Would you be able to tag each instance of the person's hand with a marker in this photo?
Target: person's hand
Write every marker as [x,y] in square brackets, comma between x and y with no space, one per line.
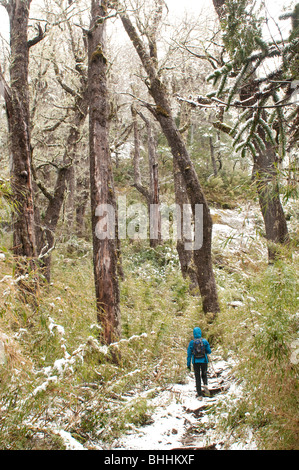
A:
[189,367]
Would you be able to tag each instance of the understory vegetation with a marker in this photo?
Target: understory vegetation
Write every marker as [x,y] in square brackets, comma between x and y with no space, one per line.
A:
[56,375]
[150,106]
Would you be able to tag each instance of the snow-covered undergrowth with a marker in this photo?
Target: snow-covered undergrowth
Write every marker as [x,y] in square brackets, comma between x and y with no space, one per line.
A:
[183,421]
[61,388]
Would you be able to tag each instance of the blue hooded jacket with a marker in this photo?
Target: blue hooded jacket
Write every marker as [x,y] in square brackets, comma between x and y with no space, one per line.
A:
[197,334]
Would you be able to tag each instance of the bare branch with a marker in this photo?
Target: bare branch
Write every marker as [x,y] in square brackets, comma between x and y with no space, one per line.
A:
[56,125]
[39,37]
[61,83]
[40,185]
[204,102]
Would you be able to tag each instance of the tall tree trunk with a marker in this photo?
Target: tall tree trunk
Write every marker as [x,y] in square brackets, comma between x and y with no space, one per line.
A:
[151,193]
[17,102]
[101,179]
[163,113]
[265,175]
[70,200]
[185,256]
[266,179]
[47,227]
[154,196]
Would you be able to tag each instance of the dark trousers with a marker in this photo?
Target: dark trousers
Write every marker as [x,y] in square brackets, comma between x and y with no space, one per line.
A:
[201,374]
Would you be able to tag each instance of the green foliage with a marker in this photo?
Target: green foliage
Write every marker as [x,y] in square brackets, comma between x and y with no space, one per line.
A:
[242,38]
[98,393]
[5,192]
[292,54]
[7,205]
[138,413]
[267,329]
[70,374]
[228,188]
[242,29]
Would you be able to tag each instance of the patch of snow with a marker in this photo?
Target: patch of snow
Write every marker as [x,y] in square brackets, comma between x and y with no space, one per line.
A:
[124,340]
[235,303]
[69,441]
[178,411]
[6,278]
[53,325]
[236,229]
[61,365]
[43,387]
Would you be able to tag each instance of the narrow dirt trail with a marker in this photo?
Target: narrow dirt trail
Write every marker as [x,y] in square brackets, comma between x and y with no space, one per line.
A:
[181,420]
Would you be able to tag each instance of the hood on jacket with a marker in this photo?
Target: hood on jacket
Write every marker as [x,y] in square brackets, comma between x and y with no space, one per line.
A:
[197,332]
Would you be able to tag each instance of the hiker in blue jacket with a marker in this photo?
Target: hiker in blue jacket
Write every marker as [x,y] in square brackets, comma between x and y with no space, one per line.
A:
[198,351]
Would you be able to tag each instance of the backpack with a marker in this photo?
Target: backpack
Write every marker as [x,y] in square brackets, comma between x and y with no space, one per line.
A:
[199,351]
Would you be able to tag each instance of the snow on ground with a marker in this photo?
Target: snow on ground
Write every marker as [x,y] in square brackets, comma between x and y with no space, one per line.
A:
[69,442]
[237,229]
[181,420]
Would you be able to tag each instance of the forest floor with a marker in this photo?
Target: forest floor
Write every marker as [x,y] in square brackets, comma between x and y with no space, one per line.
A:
[183,421]
[149,403]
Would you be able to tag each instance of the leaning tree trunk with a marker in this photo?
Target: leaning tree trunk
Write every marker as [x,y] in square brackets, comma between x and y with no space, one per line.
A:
[163,113]
[17,104]
[202,256]
[185,256]
[101,179]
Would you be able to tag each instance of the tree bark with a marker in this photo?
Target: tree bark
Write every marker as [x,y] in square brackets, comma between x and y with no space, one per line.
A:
[82,198]
[136,159]
[18,120]
[163,113]
[46,229]
[101,178]
[266,180]
[154,198]
[265,175]
[181,199]
[151,194]
[185,256]
[17,105]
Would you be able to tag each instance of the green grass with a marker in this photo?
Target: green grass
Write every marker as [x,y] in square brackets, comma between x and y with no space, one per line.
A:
[97,398]
[155,305]
[261,334]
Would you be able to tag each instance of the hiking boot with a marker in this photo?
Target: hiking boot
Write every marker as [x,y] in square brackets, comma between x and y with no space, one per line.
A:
[206,391]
